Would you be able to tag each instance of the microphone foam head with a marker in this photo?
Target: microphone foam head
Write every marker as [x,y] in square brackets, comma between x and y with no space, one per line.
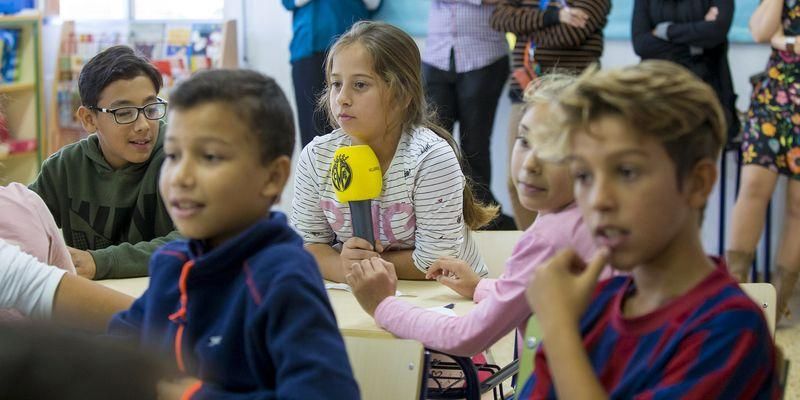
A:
[356,174]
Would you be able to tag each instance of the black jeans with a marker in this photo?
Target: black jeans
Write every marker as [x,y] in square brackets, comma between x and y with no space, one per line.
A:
[471,99]
[308,77]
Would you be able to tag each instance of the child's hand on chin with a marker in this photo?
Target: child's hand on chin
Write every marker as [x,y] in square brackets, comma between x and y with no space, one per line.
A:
[558,294]
[372,281]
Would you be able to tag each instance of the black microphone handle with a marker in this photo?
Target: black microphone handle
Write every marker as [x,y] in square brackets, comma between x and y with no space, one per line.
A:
[361,214]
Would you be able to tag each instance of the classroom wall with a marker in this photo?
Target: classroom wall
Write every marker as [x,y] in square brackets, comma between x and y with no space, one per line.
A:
[266,33]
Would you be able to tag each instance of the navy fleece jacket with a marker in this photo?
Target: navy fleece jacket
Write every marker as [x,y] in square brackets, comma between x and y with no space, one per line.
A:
[254,323]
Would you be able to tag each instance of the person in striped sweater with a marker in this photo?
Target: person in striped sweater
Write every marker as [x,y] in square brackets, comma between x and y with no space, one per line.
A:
[568,36]
[644,143]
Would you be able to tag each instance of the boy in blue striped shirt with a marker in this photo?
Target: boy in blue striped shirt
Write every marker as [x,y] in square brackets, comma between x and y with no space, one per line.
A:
[644,143]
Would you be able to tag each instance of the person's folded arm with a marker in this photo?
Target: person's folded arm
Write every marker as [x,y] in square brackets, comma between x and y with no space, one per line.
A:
[512,16]
[564,36]
[645,44]
[701,33]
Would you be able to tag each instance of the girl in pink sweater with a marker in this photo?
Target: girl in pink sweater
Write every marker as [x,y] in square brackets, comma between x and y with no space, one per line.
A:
[543,184]
[26,222]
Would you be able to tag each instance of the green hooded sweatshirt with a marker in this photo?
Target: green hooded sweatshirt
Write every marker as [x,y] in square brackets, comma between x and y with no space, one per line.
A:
[117,215]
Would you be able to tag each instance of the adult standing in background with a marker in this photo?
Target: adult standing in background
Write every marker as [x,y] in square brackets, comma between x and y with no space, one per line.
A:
[566,35]
[315,25]
[464,64]
[693,33]
[771,148]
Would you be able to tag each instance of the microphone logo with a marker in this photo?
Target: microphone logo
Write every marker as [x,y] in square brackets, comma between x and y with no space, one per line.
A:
[341,173]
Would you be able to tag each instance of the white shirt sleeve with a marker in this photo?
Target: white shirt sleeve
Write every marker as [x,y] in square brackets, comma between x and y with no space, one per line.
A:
[438,205]
[27,284]
[308,217]
[300,3]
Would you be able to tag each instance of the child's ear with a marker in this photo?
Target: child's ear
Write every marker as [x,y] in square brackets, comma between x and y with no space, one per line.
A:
[700,182]
[87,119]
[277,176]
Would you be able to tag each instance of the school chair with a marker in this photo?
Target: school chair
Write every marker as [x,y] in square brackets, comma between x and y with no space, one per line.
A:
[469,386]
[496,247]
[764,295]
[396,375]
[453,377]
[459,378]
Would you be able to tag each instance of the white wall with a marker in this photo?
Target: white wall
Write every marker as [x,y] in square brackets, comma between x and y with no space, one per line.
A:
[268,29]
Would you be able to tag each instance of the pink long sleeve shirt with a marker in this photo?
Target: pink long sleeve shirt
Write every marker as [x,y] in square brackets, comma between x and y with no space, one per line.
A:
[501,302]
[26,222]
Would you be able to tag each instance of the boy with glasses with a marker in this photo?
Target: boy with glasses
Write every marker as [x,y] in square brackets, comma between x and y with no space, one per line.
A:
[103,190]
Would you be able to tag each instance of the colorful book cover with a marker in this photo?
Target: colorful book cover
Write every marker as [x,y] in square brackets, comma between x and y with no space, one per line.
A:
[147,39]
[177,39]
[9,69]
[206,44]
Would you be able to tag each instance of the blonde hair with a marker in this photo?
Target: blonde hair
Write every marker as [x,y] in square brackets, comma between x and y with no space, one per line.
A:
[549,138]
[656,98]
[396,60]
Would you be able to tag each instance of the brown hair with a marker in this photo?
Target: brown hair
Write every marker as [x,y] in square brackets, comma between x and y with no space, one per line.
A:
[657,98]
[396,60]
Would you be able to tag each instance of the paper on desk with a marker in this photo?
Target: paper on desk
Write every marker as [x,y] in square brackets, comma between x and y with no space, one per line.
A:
[444,310]
[346,287]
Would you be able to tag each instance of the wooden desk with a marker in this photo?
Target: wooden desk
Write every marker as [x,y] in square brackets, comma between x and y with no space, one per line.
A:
[354,321]
[385,367]
[131,286]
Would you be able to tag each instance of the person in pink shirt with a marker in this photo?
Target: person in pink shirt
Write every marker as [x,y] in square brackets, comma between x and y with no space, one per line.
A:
[544,185]
[26,222]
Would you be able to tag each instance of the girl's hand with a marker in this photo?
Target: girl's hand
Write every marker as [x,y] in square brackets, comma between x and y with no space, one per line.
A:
[573,16]
[354,250]
[455,274]
[561,289]
[372,281]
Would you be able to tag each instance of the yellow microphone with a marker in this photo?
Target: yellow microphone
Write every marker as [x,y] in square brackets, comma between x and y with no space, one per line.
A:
[357,179]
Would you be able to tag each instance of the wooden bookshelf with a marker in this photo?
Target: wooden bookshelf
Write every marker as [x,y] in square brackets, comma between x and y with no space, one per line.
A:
[23,101]
[17,87]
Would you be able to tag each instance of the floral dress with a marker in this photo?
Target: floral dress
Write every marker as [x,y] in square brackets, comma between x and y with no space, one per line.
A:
[772,130]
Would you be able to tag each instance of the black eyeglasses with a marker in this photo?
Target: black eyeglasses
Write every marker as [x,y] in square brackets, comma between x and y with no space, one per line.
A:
[127,115]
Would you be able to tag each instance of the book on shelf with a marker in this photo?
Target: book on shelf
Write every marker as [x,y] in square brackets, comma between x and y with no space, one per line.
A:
[9,55]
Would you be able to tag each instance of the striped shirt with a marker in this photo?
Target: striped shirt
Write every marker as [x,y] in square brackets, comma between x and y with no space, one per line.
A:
[557,45]
[711,343]
[464,28]
[420,206]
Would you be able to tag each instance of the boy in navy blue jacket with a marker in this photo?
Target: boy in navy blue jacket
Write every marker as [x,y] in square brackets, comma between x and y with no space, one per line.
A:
[241,306]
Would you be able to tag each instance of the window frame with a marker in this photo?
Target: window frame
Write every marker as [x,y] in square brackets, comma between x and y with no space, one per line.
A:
[131,16]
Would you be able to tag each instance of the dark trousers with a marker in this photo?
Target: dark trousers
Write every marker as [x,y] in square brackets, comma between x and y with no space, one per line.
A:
[471,99]
[308,77]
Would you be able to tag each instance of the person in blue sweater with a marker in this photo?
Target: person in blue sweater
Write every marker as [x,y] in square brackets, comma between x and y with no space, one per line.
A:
[315,26]
[239,305]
